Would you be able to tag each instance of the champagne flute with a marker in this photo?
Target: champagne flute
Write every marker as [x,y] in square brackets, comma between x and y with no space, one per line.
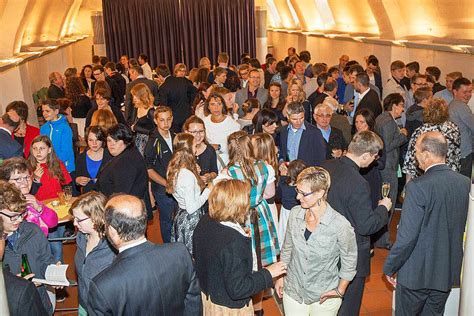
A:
[67,194]
[385,189]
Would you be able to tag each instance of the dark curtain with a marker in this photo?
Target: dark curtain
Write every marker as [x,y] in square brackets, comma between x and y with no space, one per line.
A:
[150,27]
[213,26]
[172,31]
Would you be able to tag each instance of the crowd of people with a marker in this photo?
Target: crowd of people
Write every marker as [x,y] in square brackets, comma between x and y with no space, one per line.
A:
[284,175]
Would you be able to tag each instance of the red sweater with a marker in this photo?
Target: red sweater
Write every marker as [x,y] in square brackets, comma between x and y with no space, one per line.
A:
[30,134]
[50,186]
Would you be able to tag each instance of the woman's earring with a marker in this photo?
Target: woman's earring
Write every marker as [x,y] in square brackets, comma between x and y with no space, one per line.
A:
[319,202]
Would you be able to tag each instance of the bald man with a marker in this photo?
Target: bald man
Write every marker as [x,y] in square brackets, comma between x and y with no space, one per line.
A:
[425,261]
[145,278]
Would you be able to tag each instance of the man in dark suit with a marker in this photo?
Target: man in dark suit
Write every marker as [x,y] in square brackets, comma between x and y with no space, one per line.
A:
[300,139]
[99,74]
[9,147]
[350,195]
[335,143]
[56,87]
[136,75]
[116,77]
[144,279]
[178,93]
[368,98]
[425,261]
[22,296]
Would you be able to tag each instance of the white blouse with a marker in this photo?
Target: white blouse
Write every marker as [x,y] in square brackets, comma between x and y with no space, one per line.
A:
[217,133]
[188,193]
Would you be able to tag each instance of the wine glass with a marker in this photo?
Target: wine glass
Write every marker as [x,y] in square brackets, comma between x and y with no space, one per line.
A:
[385,189]
[67,194]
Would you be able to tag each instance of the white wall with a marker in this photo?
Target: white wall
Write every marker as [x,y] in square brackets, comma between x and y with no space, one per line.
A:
[328,51]
[20,82]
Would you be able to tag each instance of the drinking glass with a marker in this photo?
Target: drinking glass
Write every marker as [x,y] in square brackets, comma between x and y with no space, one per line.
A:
[385,189]
[67,194]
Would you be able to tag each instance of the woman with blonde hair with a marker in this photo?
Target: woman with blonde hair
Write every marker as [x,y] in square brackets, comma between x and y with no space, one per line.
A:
[94,253]
[180,70]
[103,118]
[188,189]
[142,122]
[227,284]
[264,149]
[319,235]
[296,94]
[243,166]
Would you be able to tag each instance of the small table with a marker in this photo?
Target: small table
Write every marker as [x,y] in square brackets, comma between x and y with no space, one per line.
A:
[61,210]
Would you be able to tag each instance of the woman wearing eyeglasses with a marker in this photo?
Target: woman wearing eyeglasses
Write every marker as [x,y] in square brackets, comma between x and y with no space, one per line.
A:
[18,172]
[319,235]
[22,237]
[94,253]
[206,156]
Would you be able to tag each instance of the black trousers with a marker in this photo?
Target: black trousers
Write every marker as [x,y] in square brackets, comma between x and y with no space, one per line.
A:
[419,302]
[352,298]
[466,166]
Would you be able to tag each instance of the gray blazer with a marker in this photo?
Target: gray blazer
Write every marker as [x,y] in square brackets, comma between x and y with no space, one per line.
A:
[461,115]
[428,250]
[242,95]
[392,138]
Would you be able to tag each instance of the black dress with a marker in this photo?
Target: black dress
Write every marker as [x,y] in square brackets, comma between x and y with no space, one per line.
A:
[81,107]
[81,168]
[207,161]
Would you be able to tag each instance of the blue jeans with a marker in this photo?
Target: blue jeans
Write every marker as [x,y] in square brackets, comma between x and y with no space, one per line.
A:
[57,246]
[166,206]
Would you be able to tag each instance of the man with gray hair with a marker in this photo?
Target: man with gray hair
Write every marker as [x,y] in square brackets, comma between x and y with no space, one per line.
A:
[350,195]
[145,278]
[425,261]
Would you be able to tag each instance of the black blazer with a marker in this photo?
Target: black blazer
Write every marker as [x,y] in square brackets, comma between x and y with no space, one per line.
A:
[378,81]
[147,279]
[428,250]
[336,141]
[177,93]
[224,264]
[81,168]
[121,85]
[125,173]
[157,157]
[22,296]
[371,101]
[312,148]
[55,92]
[9,147]
[129,108]
[349,194]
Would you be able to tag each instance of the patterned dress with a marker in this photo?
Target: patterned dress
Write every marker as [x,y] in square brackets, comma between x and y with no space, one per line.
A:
[269,245]
[453,137]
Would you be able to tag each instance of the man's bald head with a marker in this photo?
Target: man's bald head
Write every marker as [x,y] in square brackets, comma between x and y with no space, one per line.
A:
[127,215]
[431,148]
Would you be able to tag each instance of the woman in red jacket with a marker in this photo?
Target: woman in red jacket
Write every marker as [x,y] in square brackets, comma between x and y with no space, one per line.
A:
[25,132]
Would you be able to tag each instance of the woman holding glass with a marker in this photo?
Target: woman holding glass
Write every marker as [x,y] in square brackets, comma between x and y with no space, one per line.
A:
[319,235]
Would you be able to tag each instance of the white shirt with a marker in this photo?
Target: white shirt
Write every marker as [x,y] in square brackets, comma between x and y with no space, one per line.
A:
[147,71]
[133,244]
[168,141]
[217,133]
[435,164]
[188,193]
[9,133]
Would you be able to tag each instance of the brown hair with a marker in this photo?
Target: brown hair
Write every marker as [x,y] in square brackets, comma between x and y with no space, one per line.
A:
[103,118]
[183,158]
[241,154]
[162,109]
[294,169]
[436,112]
[92,204]
[318,179]
[53,162]
[9,166]
[264,149]
[74,89]
[214,95]
[249,105]
[11,198]
[102,88]
[143,93]
[193,119]
[230,201]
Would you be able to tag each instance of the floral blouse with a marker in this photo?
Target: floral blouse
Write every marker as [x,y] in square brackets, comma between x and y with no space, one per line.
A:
[453,137]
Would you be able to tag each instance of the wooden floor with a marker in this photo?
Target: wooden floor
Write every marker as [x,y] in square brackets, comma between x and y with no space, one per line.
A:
[377,300]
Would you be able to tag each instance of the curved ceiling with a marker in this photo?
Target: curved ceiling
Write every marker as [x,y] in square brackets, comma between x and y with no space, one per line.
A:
[29,25]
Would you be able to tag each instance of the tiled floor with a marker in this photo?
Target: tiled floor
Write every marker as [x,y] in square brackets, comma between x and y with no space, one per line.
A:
[377,300]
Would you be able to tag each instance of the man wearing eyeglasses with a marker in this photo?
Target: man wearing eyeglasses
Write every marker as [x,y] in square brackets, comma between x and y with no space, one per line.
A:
[9,147]
[350,196]
[100,75]
[22,237]
[252,90]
